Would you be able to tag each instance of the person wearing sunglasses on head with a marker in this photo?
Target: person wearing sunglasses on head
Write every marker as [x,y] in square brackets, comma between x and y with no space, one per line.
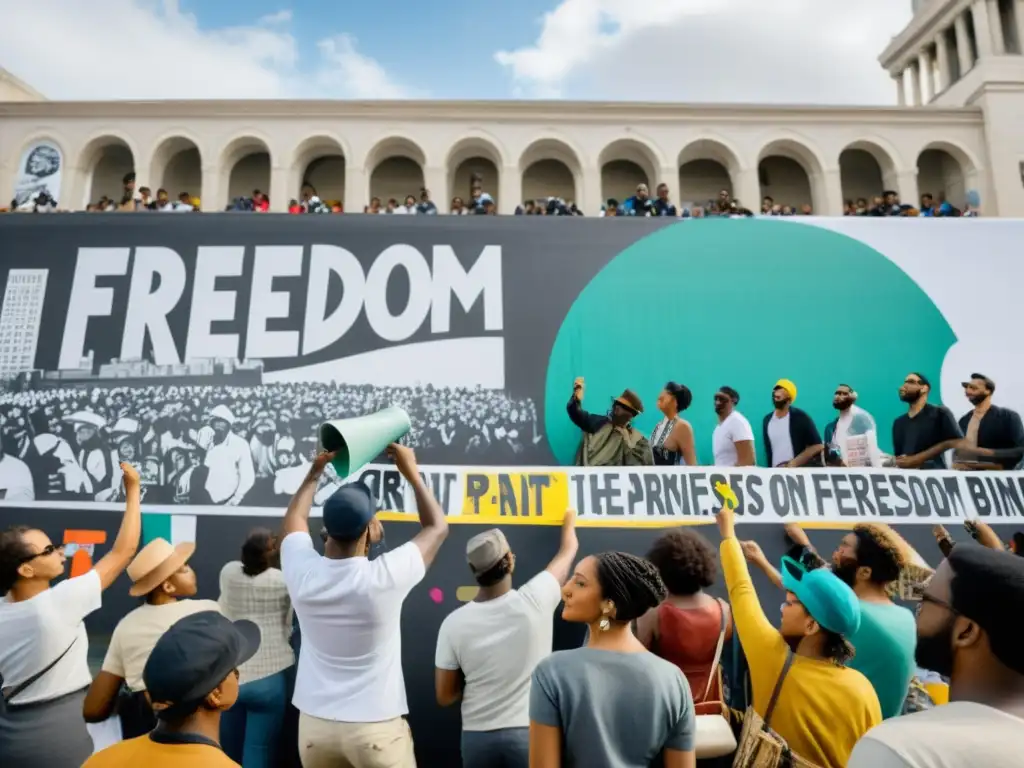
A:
[43,643]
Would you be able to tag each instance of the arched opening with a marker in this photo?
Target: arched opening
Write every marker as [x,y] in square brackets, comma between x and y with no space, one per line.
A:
[320,167]
[177,167]
[247,159]
[942,171]
[550,168]
[706,168]
[106,161]
[397,165]
[865,171]
[625,164]
[474,159]
[787,171]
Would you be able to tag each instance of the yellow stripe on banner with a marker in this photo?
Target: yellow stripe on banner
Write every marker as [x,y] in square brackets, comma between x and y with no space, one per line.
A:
[553,519]
[508,497]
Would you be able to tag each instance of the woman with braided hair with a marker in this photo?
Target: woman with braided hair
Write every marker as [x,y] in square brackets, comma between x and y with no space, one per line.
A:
[612,702]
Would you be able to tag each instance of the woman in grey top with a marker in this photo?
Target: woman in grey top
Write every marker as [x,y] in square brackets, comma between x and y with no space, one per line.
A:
[612,703]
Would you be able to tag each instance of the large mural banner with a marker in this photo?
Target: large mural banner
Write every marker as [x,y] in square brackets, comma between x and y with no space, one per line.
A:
[206,350]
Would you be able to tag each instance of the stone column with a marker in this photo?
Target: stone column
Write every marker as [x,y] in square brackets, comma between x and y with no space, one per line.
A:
[670,177]
[916,83]
[925,72]
[510,189]
[209,195]
[906,183]
[1019,13]
[942,54]
[963,44]
[995,23]
[280,189]
[747,188]
[357,189]
[827,190]
[436,180]
[901,91]
[982,30]
[588,191]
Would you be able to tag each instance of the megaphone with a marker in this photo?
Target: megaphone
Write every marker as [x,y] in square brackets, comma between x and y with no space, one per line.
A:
[358,441]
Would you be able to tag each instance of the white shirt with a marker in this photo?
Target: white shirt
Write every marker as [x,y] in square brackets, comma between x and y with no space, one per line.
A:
[735,428]
[350,663]
[953,735]
[15,480]
[857,438]
[34,632]
[136,634]
[262,599]
[497,644]
[231,469]
[782,443]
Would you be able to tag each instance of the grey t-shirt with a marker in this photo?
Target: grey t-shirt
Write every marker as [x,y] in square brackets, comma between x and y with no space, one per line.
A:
[615,710]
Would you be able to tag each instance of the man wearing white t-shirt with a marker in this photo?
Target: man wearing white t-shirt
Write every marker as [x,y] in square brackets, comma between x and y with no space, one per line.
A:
[488,648]
[853,433]
[349,687]
[733,439]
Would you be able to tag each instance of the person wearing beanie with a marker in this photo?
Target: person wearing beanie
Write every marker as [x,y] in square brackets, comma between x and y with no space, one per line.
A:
[349,687]
[821,707]
[790,437]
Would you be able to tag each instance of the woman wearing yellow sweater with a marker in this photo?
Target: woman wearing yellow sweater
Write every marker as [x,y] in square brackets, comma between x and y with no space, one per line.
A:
[823,707]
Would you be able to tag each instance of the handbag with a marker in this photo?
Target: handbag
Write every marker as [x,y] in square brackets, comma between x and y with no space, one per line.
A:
[760,746]
[714,734]
[8,694]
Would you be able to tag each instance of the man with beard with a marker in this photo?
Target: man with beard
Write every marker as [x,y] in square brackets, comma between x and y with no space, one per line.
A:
[968,629]
[733,439]
[925,431]
[822,707]
[989,427]
[790,437]
[610,441]
[869,559]
[853,433]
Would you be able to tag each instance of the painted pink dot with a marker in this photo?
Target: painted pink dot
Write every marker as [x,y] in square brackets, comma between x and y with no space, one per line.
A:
[436,595]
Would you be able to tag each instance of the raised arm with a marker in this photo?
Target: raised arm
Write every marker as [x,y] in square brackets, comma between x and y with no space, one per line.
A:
[585,421]
[126,544]
[568,546]
[296,519]
[754,554]
[433,521]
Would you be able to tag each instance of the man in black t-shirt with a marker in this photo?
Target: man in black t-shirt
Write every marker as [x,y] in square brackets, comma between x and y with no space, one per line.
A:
[924,432]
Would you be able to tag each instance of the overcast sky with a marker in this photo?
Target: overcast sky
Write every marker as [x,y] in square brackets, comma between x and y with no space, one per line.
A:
[768,51]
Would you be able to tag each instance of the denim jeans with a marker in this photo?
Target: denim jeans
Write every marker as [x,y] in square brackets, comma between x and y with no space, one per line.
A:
[503,748]
[251,730]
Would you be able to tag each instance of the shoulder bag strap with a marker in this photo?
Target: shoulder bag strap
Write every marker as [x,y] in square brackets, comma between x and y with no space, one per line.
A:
[718,649]
[778,689]
[26,683]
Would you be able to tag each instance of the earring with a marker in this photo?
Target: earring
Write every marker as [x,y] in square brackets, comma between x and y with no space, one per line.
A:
[605,622]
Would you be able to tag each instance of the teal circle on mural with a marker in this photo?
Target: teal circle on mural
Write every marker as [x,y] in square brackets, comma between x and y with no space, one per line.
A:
[743,303]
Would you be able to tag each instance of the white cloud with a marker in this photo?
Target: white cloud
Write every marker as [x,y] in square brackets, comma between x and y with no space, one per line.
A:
[151,49]
[786,51]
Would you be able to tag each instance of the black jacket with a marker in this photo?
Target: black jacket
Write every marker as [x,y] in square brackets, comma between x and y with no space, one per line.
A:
[1000,429]
[802,432]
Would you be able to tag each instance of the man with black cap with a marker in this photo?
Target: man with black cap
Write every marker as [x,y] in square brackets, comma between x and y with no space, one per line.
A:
[925,431]
[191,677]
[968,629]
[488,648]
[610,441]
[349,687]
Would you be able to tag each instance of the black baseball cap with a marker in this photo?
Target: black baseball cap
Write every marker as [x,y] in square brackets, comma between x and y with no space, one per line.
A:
[193,657]
[348,511]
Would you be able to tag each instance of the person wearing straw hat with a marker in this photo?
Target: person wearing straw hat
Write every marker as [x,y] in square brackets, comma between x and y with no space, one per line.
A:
[611,440]
[44,647]
[160,575]
[790,437]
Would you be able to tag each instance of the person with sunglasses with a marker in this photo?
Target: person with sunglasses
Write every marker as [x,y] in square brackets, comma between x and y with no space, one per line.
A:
[43,643]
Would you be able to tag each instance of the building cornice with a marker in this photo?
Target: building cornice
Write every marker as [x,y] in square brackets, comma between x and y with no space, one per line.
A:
[560,112]
[905,46]
[21,85]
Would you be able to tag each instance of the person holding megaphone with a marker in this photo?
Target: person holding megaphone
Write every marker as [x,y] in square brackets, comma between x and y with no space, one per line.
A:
[349,688]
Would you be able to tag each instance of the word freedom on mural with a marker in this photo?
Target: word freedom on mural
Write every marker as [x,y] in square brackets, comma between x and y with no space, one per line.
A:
[678,495]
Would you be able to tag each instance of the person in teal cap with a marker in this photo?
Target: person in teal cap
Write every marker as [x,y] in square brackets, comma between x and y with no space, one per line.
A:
[801,684]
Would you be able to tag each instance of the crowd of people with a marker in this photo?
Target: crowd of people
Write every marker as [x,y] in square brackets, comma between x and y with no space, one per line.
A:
[667,675]
[927,436]
[481,202]
[248,445]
